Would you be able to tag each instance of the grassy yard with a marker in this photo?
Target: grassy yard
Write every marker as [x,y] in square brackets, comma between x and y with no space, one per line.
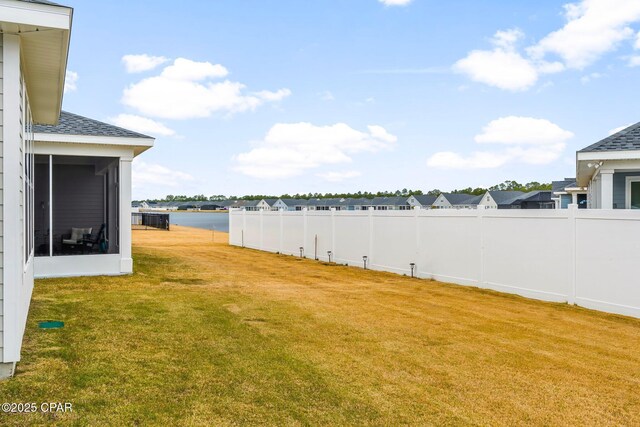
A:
[207,334]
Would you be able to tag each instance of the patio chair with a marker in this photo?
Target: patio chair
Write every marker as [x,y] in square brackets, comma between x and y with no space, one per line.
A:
[100,241]
[74,240]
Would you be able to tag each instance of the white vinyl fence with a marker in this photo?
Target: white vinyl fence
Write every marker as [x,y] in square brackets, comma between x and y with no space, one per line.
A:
[586,257]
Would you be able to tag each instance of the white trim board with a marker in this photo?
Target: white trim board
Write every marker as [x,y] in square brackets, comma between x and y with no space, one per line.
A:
[627,190]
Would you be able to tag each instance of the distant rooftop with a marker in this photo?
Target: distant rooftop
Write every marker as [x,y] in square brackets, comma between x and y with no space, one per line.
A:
[625,140]
[74,124]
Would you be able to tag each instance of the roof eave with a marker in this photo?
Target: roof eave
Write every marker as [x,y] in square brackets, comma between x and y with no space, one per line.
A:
[44,32]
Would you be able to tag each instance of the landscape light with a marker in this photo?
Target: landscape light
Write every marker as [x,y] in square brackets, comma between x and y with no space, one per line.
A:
[364,259]
[413,266]
[329,254]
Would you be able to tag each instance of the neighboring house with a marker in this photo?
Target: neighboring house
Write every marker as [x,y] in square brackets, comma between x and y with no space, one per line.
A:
[457,201]
[253,205]
[268,204]
[290,204]
[495,199]
[568,192]
[424,201]
[390,203]
[610,170]
[534,200]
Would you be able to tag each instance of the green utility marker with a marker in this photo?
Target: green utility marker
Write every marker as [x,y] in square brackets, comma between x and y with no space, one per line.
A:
[51,325]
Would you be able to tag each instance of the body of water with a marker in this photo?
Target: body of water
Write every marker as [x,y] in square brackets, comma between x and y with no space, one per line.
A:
[207,220]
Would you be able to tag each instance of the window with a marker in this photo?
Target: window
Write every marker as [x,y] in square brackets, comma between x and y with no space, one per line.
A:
[633,192]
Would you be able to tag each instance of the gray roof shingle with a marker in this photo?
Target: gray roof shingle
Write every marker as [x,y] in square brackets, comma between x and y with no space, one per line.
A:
[505,197]
[626,139]
[425,199]
[49,3]
[74,124]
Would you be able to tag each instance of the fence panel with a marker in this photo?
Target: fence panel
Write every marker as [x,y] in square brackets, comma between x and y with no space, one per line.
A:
[449,247]
[352,237]
[319,234]
[608,261]
[578,256]
[394,242]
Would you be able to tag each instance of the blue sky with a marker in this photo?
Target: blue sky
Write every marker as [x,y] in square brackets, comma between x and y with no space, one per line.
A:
[275,96]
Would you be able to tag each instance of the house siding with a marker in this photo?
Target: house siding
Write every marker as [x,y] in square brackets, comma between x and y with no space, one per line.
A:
[1,207]
[619,188]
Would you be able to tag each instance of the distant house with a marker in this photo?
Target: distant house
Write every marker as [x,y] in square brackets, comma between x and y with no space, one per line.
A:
[457,201]
[566,192]
[534,200]
[291,204]
[424,201]
[610,170]
[390,203]
[495,199]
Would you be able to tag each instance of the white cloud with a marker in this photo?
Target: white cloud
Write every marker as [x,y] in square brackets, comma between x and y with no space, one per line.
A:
[590,77]
[593,28]
[326,96]
[634,61]
[618,129]
[188,70]
[502,67]
[525,140]
[339,176]
[70,81]
[290,149]
[142,125]
[141,63]
[144,174]
[185,90]
[395,2]
[477,160]
[636,45]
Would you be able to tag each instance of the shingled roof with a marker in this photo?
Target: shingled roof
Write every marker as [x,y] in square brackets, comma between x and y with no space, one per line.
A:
[625,140]
[50,3]
[73,124]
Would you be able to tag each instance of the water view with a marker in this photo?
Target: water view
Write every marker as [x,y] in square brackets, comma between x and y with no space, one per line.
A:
[208,220]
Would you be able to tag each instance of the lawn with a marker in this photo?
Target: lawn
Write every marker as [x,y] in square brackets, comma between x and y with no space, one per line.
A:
[208,334]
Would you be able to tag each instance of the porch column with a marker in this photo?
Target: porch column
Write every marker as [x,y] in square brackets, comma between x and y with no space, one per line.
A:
[606,189]
[124,186]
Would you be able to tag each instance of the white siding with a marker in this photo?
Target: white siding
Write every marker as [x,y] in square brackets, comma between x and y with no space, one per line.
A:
[17,266]
[1,217]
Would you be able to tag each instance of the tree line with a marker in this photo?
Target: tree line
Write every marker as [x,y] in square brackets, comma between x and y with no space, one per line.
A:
[504,186]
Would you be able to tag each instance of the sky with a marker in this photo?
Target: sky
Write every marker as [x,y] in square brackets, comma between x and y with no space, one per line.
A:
[290,96]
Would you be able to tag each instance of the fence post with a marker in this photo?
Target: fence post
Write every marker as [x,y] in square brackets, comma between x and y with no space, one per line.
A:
[261,229]
[572,211]
[481,212]
[244,224]
[370,254]
[416,216]
[333,234]
[304,231]
[281,245]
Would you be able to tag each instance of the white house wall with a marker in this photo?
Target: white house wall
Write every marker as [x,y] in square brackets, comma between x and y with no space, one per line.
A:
[15,298]
[1,204]
[572,255]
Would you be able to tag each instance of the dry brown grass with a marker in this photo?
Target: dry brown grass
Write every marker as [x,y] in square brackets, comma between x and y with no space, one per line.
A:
[247,337]
[426,351]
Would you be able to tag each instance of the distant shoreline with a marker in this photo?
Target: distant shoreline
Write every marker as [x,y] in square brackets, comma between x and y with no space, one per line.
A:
[176,211]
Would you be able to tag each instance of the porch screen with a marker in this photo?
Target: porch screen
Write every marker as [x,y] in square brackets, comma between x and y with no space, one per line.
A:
[76,205]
